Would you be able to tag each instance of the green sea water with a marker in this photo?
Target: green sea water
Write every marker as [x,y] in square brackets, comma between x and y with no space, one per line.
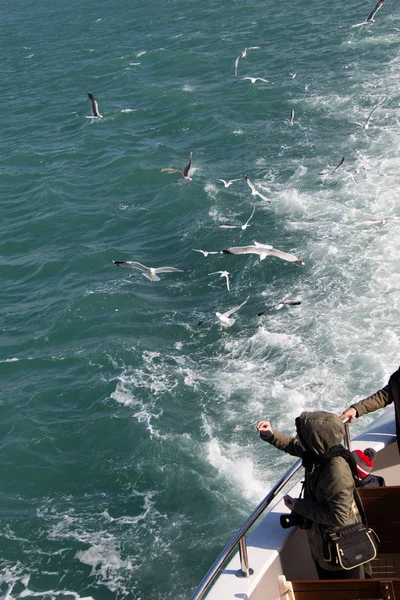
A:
[128,450]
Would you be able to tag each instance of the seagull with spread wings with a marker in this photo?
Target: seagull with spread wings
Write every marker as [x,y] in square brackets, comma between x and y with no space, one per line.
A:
[244,226]
[223,274]
[370,19]
[228,182]
[94,107]
[149,272]
[255,192]
[185,173]
[243,54]
[279,305]
[224,319]
[204,252]
[263,250]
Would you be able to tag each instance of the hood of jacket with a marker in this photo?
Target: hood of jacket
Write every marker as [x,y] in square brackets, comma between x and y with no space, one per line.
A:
[319,430]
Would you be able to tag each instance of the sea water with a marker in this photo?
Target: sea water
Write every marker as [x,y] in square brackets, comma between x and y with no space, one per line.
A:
[128,448]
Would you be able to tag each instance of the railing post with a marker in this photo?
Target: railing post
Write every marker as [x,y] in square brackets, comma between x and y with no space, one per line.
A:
[244,570]
[347,438]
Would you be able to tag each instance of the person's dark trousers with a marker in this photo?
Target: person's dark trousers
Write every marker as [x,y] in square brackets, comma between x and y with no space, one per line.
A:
[356,573]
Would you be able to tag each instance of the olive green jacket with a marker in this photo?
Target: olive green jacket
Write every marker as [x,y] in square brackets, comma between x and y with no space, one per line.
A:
[378,400]
[329,489]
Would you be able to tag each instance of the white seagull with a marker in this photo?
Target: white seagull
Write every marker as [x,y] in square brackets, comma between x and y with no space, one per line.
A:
[149,272]
[185,173]
[366,124]
[279,305]
[263,250]
[204,252]
[228,182]
[223,274]
[254,192]
[291,119]
[383,220]
[94,108]
[224,319]
[254,79]
[292,75]
[370,19]
[243,54]
[244,226]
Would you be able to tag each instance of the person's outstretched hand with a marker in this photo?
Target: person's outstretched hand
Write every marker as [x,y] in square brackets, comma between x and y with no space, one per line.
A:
[264,426]
[349,414]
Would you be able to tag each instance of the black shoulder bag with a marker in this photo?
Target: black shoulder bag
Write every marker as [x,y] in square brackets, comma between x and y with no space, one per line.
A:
[352,545]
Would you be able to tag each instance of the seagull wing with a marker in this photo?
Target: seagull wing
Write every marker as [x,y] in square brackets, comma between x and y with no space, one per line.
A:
[167,270]
[232,310]
[236,65]
[340,163]
[251,186]
[177,171]
[285,256]
[131,263]
[93,105]
[251,216]
[188,166]
[241,250]
[373,13]
[229,226]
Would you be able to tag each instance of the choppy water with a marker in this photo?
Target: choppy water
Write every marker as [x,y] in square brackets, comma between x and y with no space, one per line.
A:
[128,448]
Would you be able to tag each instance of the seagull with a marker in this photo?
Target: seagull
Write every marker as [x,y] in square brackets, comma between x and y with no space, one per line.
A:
[291,119]
[223,274]
[243,54]
[383,220]
[279,305]
[205,252]
[366,124]
[244,226]
[370,19]
[292,75]
[224,319]
[185,173]
[263,251]
[94,108]
[149,272]
[326,171]
[254,192]
[228,182]
[254,79]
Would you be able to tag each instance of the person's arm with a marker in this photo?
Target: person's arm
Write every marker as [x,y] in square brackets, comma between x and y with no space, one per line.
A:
[280,440]
[338,489]
[374,402]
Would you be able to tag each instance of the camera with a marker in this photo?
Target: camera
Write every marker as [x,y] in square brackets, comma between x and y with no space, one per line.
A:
[294,520]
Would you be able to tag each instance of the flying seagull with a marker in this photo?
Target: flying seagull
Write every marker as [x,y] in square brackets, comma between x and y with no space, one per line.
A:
[94,108]
[370,19]
[224,319]
[185,173]
[254,192]
[279,305]
[223,274]
[205,252]
[254,79]
[292,75]
[263,251]
[149,272]
[243,54]
[383,220]
[326,171]
[244,226]
[228,182]
[366,124]
[291,118]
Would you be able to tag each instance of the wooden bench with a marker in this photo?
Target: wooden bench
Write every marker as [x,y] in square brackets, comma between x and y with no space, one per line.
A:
[381,507]
[339,589]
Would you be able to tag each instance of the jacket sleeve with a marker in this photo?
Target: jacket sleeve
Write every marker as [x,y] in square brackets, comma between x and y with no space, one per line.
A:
[336,485]
[378,400]
[284,442]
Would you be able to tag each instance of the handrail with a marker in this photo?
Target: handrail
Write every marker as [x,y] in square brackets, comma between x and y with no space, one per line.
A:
[212,573]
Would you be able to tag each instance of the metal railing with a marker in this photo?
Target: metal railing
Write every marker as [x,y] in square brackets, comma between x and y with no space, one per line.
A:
[239,538]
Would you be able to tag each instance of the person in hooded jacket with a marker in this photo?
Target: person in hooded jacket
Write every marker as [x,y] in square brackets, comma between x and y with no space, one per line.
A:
[329,483]
[389,394]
